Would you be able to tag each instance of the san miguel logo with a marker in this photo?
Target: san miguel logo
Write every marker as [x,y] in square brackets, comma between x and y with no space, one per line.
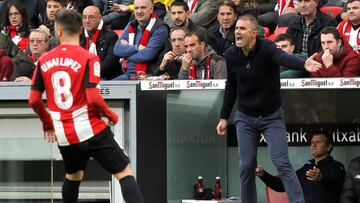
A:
[161,85]
[350,82]
[201,84]
[315,83]
[286,83]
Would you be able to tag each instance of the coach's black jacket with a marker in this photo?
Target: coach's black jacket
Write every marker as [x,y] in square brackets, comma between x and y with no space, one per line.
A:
[255,79]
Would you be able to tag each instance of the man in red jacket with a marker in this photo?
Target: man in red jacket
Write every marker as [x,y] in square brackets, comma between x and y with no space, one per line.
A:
[337,58]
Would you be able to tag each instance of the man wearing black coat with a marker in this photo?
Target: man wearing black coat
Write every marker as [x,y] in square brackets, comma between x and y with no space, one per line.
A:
[321,178]
[305,30]
[99,40]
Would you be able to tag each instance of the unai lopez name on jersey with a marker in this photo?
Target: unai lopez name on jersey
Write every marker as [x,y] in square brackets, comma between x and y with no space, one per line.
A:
[60,61]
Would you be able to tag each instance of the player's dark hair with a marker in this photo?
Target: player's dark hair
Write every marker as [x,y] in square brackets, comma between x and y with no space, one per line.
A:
[69,20]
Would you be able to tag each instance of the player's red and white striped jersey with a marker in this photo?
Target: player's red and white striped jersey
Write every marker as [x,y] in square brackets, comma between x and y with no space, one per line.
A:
[64,73]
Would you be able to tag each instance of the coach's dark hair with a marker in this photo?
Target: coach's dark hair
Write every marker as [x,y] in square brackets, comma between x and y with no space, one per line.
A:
[284,37]
[197,34]
[180,3]
[228,3]
[251,18]
[70,20]
[331,30]
[327,135]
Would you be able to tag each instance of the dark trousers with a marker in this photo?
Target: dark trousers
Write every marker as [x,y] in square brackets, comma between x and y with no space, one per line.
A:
[272,126]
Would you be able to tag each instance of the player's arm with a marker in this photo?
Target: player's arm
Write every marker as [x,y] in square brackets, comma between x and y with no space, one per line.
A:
[37,88]
[38,106]
[93,95]
[95,99]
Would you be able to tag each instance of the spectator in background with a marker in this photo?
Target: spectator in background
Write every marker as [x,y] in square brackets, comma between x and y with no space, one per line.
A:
[337,58]
[179,13]
[200,60]
[285,42]
[201,12]
[305,29]
[15,24]
[349,29]
[112,16]
[23,65]
[281,16]
[351,189]
[100,41]
[52,7]
[265,6]
[321,179]
[35,10]
[141,42]
[172,60]
[160,7]
[6,66]
[79,5]
[247,7]
[39,44]
[225,34]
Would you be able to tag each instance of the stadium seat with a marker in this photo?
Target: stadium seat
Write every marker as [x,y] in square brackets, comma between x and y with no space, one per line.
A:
[276,197]
[119,32]
[331,10]
[278,31]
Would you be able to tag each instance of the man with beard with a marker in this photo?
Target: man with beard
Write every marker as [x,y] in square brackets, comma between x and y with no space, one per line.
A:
[337,58]
[179,15]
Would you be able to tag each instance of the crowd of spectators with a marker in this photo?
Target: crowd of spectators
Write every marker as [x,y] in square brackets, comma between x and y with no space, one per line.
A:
[144,45]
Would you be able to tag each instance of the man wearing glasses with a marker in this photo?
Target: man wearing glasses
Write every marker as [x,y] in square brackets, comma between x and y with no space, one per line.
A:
[100,41]
[39,43]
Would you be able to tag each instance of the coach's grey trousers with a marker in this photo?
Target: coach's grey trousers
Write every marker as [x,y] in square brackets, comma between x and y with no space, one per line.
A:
[248,129]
